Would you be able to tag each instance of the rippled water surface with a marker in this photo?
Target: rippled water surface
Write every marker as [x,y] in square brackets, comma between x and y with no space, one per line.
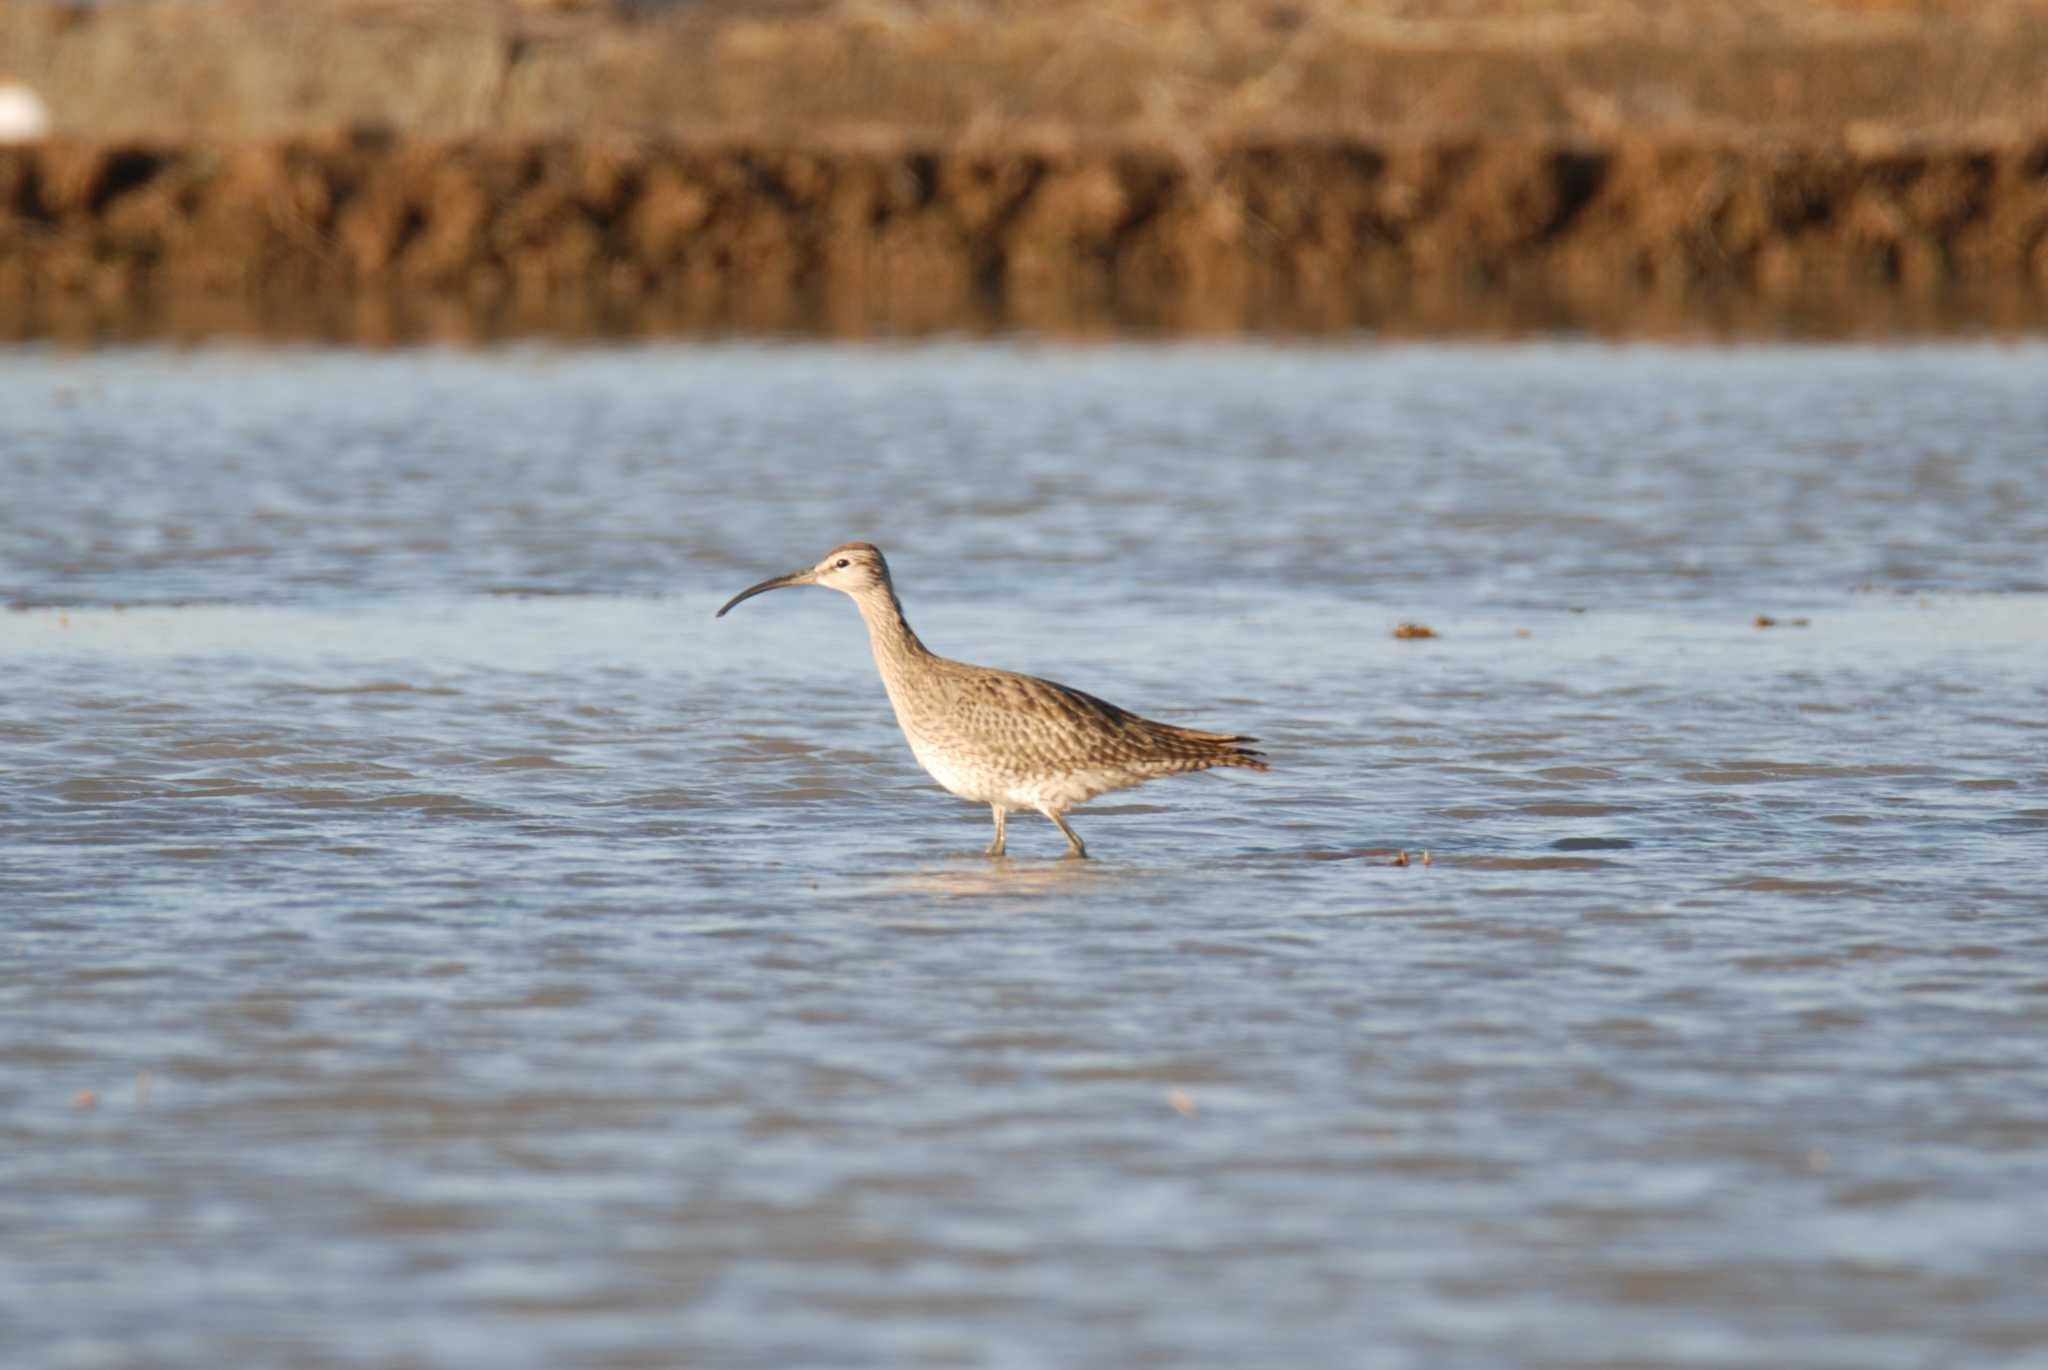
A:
[430,939]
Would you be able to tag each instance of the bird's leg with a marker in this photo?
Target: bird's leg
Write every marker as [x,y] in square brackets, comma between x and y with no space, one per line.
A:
[1074,847]
[995,848]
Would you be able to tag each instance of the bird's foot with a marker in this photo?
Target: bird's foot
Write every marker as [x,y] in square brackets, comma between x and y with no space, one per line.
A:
[1075,850]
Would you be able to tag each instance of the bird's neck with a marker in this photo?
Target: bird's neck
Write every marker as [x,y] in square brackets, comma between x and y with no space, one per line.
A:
[888,630]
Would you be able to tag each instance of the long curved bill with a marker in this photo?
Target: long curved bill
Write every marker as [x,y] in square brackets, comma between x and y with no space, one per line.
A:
[778,583]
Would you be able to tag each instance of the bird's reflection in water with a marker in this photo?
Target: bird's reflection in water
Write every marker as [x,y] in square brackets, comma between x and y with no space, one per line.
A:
[979,877]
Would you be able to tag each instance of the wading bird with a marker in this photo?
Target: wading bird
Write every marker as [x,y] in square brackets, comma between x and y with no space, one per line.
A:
[998,738]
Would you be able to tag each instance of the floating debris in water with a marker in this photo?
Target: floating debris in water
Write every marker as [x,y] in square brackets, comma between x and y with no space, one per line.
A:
[1766,621]
[1414,630]
[24,117]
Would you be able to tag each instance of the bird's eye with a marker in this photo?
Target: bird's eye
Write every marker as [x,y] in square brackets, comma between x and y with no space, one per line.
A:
[841,564]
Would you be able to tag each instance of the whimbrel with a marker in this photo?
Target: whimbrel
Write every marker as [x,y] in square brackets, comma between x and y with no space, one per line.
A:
[998,738]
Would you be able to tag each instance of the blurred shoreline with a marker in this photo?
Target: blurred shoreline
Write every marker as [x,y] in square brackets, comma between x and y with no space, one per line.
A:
[386,170]
[378,239]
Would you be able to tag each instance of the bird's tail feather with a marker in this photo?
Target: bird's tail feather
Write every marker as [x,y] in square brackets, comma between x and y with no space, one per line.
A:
[1212,749]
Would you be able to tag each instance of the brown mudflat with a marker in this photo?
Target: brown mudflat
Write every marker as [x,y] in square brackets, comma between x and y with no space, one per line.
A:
[395,170]
[372,238]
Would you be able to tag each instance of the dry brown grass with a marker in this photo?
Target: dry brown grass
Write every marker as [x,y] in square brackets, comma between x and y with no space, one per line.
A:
[1178,72]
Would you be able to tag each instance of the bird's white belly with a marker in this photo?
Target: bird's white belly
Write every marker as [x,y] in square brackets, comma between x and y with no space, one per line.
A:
[984,785]
[950,770]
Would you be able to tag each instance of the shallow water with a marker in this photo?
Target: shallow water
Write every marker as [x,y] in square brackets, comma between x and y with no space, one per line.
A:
[432,940]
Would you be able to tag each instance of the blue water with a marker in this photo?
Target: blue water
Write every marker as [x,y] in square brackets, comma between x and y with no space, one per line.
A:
[428,938]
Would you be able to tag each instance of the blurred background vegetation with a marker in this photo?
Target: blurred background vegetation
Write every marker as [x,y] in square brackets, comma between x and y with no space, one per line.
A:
[1149,70]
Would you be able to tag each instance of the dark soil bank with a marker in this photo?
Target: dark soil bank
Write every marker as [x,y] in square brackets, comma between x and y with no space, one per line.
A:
[376,238]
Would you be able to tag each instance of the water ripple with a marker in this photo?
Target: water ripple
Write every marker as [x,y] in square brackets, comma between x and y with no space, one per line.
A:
[431,939]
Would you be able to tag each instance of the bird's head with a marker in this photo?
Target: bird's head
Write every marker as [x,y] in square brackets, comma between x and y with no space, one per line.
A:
[854,568]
